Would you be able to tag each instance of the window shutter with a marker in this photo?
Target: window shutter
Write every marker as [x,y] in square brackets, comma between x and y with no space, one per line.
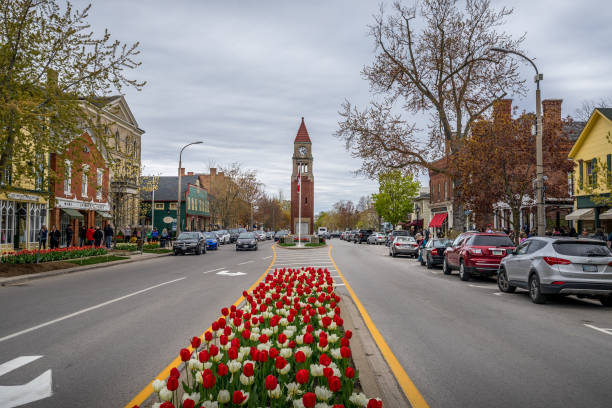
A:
[609,172]
[580,173]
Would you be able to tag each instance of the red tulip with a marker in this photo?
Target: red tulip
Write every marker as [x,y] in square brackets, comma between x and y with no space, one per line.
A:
[271,382]
[309,399]
[302,376]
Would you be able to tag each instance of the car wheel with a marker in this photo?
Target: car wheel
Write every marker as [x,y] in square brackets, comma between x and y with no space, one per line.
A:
[445,268]
[429,262]
[390,253]
[606,301]
[199,250]
[394,254]
[463,274]
[535,292]
[502,282]
[176,252]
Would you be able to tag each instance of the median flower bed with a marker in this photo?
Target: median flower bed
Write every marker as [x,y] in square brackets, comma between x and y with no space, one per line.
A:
[285,348]
[47,255]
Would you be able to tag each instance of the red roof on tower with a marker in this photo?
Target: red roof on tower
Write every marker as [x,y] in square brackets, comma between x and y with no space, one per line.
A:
[302,134]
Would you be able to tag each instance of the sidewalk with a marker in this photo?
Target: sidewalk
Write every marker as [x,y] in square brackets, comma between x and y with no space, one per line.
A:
[23,278]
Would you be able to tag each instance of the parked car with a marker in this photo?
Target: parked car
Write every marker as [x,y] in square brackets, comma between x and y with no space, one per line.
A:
[404,245]
[260,235]
[476,254]
[559,266]
[377,238]
[224,236]
[269,235]
[234,232]
[212,241]
[193,242]
[361,236]
[279,235]
[433,252]
[246,240]
[391,236]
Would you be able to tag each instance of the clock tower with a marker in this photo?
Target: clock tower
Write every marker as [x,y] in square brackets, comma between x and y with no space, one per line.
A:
[302,161]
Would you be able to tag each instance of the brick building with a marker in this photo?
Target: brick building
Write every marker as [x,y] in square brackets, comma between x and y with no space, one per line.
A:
[81,188]
[302,161]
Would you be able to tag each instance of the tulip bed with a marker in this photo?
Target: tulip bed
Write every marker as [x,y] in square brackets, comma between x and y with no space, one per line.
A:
[48,255]
[285,348]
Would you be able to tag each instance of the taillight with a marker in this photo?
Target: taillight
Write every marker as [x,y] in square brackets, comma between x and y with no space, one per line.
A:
[558,283]
[434,251]
[397,244]
[610,263]
[476,251]
[413,244]
[551,260]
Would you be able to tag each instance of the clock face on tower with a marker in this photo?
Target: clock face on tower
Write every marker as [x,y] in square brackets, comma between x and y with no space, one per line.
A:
[302,151]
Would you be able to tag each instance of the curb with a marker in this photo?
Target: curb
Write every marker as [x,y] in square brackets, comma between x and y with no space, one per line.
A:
[24,278]
[300,248]
[375,376]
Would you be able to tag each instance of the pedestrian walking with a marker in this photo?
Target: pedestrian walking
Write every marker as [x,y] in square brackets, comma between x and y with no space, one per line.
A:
[164,237]
[599,235]
[127,234]
[54,238]
[155,235]
[108,235]
[69,234]
[42,237]
[573,233]
[89,236]
[97,236]
[82,235]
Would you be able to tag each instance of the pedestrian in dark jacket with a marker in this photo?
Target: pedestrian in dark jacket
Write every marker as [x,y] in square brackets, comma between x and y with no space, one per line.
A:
[82,235]
[42,236]
[54,238]
[68,236]
[108,235]
[97,236]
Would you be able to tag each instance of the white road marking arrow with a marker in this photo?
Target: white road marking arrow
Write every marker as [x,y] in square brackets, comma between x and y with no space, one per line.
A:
[228,273]
[599,329]
[16,395]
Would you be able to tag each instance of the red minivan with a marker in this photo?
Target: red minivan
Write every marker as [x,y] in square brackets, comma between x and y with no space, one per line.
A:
[477,253]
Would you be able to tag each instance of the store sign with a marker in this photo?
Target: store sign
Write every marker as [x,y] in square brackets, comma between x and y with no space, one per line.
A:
[196,201]
[23,197]
[168,220]
[81,205]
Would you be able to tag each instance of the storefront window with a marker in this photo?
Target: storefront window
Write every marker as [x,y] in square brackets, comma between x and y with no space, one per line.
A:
[7,226]
[21,213]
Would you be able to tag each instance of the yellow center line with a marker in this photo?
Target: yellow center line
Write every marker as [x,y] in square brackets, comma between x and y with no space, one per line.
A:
[410,390]
[165,373]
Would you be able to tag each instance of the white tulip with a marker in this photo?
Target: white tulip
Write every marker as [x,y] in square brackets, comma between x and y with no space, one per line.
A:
[275,393]
[298,403]
[359,399]
[293,389]
[286,352]
[210,404]
[223,397]
[247,380]
[165,394]
[158,385]
[286,369]
[323,393]
[234,366]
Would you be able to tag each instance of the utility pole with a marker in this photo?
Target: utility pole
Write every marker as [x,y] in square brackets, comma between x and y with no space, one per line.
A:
[178,206]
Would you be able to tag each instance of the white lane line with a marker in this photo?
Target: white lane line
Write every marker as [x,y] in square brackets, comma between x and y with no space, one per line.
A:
[244,263]
[498,293]
[599,329]
[267,257]
[16,363]
[214,270]
[481,286]
[89,309]
[338,284]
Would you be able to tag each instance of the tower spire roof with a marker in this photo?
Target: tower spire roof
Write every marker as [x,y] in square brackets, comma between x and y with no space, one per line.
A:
[302,133]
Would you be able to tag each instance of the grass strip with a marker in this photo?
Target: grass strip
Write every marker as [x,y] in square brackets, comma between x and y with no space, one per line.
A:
[98,259]
[157,251]
[312,244]
[286,245]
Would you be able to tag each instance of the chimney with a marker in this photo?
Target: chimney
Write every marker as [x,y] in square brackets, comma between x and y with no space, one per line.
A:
[190,173]
[221,174]
[213,171]
[502,110]
[551,113]
[182,171]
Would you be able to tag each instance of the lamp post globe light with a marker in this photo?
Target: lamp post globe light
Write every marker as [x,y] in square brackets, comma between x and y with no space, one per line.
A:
[178,206]
[541,218]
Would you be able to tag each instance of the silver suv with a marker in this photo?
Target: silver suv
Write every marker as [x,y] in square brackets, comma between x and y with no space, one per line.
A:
[558,266]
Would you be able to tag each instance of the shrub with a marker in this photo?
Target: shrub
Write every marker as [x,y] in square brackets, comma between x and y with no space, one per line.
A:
[48,255]
[127,247]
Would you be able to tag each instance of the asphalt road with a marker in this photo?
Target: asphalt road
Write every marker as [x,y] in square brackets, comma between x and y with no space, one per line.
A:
[107,332]
[464,344]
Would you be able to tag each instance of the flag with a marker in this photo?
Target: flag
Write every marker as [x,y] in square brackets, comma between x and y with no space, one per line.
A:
[299,178]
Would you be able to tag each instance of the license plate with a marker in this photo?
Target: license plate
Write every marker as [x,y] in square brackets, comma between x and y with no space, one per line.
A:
[589,268]
[498,252]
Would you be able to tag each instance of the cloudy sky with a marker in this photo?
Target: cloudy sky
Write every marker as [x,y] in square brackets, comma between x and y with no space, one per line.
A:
[241,74]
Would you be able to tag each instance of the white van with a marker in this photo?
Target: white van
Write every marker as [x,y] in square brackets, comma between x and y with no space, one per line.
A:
[322,231]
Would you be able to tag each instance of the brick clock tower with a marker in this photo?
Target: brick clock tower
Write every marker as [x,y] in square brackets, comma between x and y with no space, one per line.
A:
[302,159]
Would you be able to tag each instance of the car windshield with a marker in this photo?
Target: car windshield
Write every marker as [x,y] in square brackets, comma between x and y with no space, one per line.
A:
[245,235]
[442,242]
[222,232]
[234,230]
[492,240]
[210,235]
[404,239]
[400,233]
[188,235]
[577,248]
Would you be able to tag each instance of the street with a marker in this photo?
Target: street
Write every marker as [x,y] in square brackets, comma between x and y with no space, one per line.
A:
[464,344]
[106,333]
[105,355]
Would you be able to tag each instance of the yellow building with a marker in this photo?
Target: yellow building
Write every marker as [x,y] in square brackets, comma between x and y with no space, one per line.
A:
[592,156]
[24,206]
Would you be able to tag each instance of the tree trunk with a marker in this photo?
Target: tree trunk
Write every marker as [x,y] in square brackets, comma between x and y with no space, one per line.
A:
[516,224]
[458,216]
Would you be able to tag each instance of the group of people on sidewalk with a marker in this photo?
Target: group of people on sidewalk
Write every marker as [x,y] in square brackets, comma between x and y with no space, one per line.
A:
[92,236]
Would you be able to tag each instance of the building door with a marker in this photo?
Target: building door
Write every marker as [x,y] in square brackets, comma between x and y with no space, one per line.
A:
[21,232]
[64,222]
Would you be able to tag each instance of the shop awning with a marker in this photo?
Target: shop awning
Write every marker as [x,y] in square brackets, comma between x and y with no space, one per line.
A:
[584,214]
[104,214]
[72,213]
[606,215]
[437,220]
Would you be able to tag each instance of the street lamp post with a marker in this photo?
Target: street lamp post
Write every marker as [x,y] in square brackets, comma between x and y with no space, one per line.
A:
[178,207]
[416,210]
[541,218]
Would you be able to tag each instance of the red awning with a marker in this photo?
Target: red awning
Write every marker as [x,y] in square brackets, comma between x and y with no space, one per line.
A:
[437,220]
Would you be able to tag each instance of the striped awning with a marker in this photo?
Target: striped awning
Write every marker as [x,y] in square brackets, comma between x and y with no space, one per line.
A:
[437,220]
[584,214]
[72,213]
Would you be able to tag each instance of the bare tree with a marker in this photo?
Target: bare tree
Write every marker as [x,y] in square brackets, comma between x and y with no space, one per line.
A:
[583,113]
[432,58]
